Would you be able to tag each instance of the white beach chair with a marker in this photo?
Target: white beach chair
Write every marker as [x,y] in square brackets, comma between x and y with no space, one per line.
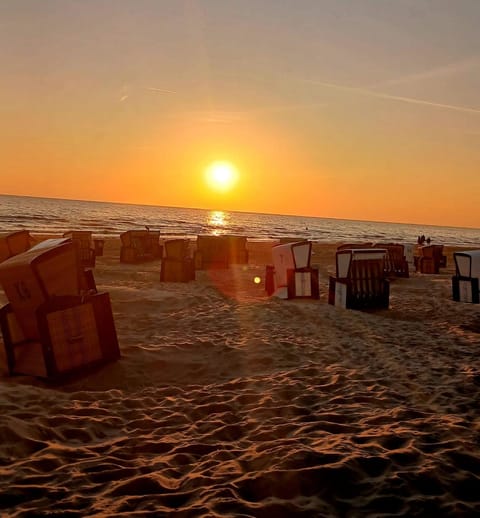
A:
[293,276]
[465,282]
[360,281]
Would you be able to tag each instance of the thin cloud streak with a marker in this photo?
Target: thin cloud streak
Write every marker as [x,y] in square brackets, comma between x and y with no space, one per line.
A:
[380,95]
[443,71]
[127,92]
[159,90]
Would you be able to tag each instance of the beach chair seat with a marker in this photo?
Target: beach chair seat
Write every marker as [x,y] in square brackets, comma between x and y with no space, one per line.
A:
[140,245]
[360,281]
[14,243]
[74,333]
[212,252]
[177,265]
[466,281]
[293,275]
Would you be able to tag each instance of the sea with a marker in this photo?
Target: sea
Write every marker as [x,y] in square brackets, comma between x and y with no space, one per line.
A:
[105,219]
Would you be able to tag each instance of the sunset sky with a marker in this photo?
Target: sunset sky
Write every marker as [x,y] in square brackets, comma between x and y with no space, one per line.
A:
[360,109]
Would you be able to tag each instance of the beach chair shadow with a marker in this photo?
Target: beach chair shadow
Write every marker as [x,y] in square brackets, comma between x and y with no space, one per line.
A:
[360,281]
[53,325]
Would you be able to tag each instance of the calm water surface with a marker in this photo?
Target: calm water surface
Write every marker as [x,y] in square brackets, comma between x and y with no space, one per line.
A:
[55,216]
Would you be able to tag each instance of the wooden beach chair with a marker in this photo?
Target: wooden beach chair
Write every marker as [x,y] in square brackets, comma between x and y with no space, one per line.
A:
[356,246]
[177,264]
[237,249]
[212,252]
[14,243]
[140,245]
[291,275]
[360,281]
[396,264]
[87,248]
[441,257]
[431,259]
[466,281]
[51,326]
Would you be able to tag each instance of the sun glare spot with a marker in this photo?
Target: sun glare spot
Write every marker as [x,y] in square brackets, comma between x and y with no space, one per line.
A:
[217,218]
[221,176]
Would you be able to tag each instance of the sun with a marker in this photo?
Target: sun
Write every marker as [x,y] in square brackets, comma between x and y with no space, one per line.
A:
[221,176]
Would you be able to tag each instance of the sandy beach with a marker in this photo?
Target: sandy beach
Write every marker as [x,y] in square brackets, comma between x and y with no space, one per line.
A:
[226,402]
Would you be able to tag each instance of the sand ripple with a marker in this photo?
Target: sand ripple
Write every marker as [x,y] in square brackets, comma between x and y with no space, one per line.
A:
[226,403]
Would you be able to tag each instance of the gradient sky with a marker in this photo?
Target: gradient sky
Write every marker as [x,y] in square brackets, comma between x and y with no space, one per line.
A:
[360,109]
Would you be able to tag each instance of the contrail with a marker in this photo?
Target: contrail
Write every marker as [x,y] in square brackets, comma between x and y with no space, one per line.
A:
[441,71]
[159,90]
[380,95]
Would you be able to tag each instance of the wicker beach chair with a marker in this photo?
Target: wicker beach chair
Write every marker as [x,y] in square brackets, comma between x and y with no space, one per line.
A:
[14,243]
[396,264]
[140,245]
[430,259]
[291,275]
[51,326]
[466,281]
[237,249]
[354,246]
[177,264]
[360,281]
[87,248]
[212,252]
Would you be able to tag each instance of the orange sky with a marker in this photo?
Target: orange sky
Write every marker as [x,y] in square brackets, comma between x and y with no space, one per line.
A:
[367,111]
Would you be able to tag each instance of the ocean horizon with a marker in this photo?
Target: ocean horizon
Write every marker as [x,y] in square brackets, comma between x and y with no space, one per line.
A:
[106,219]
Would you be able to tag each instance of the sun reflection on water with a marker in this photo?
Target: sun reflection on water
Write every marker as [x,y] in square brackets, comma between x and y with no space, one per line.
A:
[218,220]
